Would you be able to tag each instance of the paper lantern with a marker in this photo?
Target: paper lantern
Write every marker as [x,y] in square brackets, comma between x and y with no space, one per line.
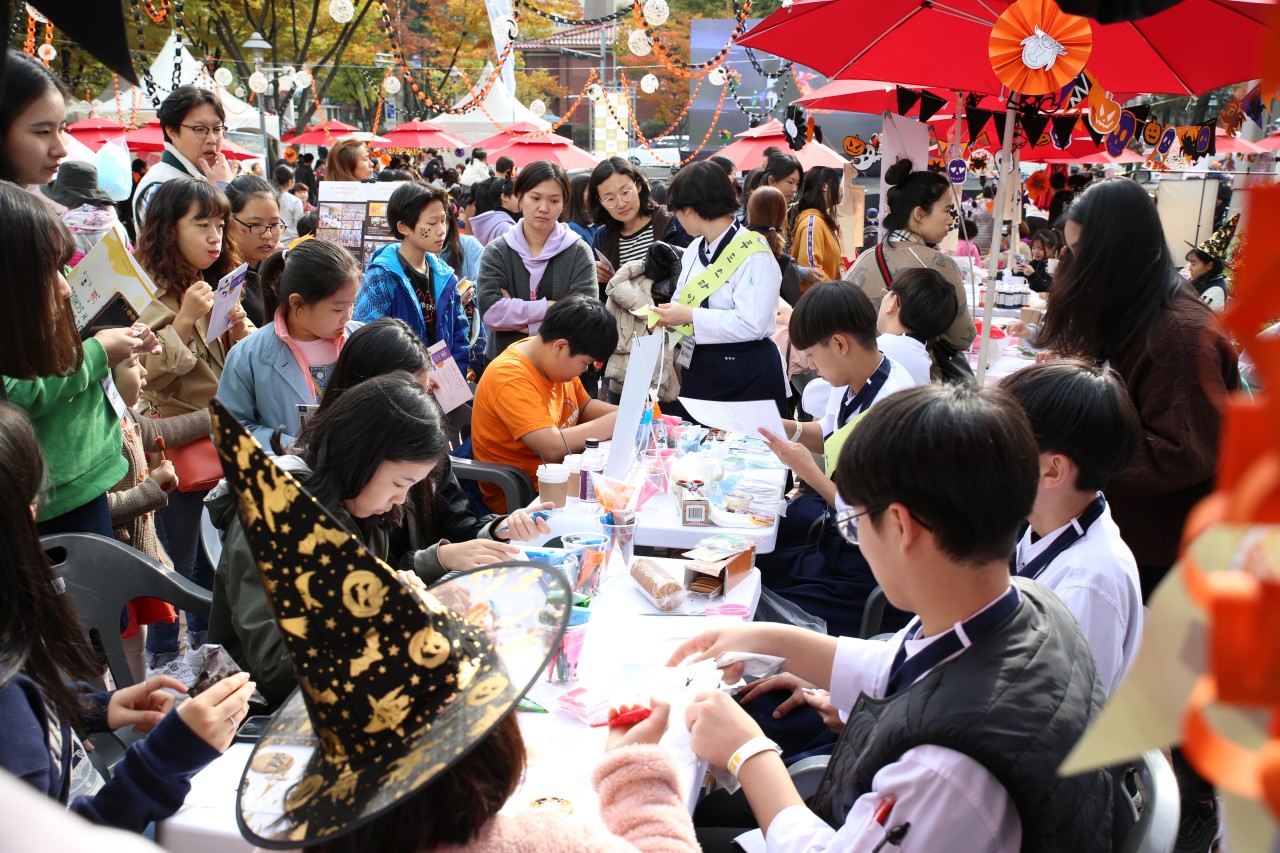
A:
[240,92]
[595,92]
[639,44]
[291,155]
[47,52]
[302,79]
[36,13]
[716,77]
[223,77]
[391,85]
[505,29]
[649,84]
[1036,48]
[342,11]
[258,82]
[656,12]
[538,107]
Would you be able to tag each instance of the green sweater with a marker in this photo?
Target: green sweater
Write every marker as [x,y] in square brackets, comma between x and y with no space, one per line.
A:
[78,431]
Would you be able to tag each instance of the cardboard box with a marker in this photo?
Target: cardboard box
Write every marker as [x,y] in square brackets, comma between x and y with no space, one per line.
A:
[694,511]
[1031,315]
[728,571]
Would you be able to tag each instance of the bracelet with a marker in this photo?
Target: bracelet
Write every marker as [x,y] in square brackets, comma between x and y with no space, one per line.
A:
[795,436]
[750,749]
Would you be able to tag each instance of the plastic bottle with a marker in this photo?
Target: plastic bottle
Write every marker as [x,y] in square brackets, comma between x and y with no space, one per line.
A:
[592,460]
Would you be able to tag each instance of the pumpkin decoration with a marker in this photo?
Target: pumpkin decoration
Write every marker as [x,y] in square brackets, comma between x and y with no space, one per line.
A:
[854,146]
[1035,48]
[1151,133]
[1104,112]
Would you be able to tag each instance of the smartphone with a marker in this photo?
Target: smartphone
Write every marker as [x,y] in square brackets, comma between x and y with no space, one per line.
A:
[252,730]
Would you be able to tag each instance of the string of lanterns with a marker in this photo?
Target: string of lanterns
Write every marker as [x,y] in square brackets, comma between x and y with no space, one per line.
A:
[587,91]
[715,119]
[679,66]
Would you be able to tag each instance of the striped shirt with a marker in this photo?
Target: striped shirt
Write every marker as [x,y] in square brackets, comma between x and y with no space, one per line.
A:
[636,246]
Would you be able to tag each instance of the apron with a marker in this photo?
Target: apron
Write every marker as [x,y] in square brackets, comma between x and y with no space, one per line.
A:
[737,372]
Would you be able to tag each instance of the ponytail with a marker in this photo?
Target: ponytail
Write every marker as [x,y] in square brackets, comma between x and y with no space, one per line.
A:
[313,270]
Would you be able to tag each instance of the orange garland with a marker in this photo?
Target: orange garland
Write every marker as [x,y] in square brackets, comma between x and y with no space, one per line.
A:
[724,90]
[157,17]
[700,69]
[591,78]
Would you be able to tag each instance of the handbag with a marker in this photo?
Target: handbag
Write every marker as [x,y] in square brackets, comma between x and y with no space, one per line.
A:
[952,363]
[197,464]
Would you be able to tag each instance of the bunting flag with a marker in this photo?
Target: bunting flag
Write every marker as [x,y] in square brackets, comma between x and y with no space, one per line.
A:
[1063,127]
[1076,91]
[906,100]
[1000,121]
[1141,113]
[1207,139]
[976,119]
[1232,117]
[929,105]
[1094,135]
[1033,125]
[1254,107]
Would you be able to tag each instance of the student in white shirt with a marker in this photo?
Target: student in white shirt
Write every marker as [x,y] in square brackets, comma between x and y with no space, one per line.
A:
[834,325]
[920,306]
[1087,430]
[958,724]
[726,301]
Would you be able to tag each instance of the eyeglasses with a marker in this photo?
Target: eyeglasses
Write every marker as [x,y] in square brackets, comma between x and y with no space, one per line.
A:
[614,201]
[259,230]
[847,522]
[202,132]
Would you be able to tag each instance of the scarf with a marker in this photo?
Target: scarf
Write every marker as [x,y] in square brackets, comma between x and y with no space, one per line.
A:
[561,238]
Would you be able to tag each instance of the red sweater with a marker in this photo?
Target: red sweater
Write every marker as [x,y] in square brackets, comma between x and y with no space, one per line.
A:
[1176,378]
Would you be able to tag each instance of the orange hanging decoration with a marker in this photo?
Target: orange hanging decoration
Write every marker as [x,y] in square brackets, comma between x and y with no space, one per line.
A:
[1036,48]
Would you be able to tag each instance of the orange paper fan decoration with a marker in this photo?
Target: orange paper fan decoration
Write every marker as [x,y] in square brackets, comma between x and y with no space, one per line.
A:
[1036,48]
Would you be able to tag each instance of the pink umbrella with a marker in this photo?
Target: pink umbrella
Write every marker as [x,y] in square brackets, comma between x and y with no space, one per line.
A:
[1271,143]
[422,135]
[149,137]
[324,133]
[748,151]
[499,140]
[557,149]
[1224,144]
[95,131]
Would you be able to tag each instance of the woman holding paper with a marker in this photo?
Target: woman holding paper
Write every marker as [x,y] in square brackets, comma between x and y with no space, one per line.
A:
[724,308]
[185,248]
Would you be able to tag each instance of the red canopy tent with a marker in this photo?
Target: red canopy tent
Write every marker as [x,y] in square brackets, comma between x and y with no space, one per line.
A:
[150,137]
[324,133]
[748,151]
[504,137]
[422,135]
[550,146]
[95,131]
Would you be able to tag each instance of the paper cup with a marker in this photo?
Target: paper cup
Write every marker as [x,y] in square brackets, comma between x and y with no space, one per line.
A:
[553,484]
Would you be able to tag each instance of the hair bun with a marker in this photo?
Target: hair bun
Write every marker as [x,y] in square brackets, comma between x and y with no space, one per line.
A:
[898,172]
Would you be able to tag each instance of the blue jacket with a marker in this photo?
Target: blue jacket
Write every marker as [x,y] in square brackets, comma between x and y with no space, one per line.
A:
[262,384]
[387,292]
[468,266]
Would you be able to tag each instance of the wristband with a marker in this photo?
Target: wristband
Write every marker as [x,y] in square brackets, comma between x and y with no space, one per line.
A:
[795,436]
[750,749]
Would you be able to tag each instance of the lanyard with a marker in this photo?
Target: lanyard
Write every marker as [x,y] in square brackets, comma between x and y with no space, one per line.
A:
[851,406]
[735,250]
[1073,534]
[904,671]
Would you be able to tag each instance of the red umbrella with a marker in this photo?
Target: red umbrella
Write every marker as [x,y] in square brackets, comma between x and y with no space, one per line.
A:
[873,97]
[422,135]
[324,133]
[748,151]
[149,137]
[1271,143]
[557,149]
[895,39]
[1224,144]
[502,139]
[235,152]
[95,131]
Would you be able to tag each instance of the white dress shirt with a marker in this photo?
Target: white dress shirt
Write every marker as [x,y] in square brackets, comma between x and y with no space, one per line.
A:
[952,802]
[745,307]
[897,380]
[908,352]
[1097,578]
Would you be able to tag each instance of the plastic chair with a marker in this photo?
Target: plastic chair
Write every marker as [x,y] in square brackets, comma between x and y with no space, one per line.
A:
[102,575]
[1146,819]
[210,538]
[873,614]
[515,483]
[807,773]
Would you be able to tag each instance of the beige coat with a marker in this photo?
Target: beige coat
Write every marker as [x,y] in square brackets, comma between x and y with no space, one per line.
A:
[183,377]
[628,290]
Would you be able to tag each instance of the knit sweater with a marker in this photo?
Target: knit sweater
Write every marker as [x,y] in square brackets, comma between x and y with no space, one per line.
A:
[1177,378]
[78,431]
[640,806]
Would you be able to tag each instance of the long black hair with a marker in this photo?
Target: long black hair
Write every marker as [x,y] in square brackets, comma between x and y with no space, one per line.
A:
[578,210]
[40,634]
[821,191]
[1117,280]
[907,191]
[25,81]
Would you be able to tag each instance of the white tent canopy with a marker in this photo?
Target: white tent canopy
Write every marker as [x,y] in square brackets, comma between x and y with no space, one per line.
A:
[474,125]
[190,72]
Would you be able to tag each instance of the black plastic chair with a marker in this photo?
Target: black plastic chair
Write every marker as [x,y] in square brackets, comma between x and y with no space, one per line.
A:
[1147,806]
[873,614]
[515,483]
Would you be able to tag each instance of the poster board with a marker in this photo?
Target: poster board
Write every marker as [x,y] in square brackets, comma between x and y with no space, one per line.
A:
[1186,212]
[851,214]
[645,352]
[354,215]
[108,269]
[903,138]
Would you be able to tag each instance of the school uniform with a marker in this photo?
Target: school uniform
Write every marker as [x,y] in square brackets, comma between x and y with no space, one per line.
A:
[1088,566]
[734,357]
[908,350]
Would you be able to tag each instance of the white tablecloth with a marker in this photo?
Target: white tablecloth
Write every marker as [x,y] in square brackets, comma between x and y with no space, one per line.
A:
[624,652]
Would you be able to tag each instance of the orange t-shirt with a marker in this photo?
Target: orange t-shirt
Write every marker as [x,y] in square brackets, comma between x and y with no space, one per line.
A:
[512,400]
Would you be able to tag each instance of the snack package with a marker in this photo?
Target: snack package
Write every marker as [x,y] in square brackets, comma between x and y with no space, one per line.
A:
[664,591]
[217,666]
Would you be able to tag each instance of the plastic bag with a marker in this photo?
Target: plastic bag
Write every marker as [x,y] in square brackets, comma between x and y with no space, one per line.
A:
[775,608]
[218,664]
[115,174]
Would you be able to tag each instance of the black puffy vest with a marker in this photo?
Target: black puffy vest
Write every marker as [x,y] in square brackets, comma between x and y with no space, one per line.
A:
[1016,702]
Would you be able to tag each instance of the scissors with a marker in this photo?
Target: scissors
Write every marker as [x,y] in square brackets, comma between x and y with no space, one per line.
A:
[740,610]
[692,486]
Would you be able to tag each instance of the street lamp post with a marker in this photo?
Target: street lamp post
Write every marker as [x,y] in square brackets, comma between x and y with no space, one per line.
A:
[257,47]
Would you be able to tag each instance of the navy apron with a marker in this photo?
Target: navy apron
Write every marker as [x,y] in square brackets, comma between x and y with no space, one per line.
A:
[737,372]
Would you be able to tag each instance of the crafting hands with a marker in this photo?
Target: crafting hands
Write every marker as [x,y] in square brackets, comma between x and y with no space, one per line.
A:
[1023,269]
[148,343]
[142,705]
[521,526]
[216,714]
[165,476]
[792,454]
[120,345]
[713,643]
[461,556]
[219,171]
[718,726]
[802,693]
[647,731]
[673,314]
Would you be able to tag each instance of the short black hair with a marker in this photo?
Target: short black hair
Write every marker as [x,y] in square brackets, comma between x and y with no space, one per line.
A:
[585,323]
[479,154]
[408,202]
[927,302]
[498,187]
[282,174]
[724,163]
[933,449]
[606,169]
[1058,180]
[1081,410]
[969,229]
[703,188]
[830,307]
[182,100]
[480,196]
[504,165]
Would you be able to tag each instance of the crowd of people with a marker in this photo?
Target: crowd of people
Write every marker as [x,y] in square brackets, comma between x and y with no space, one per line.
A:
[1015,531]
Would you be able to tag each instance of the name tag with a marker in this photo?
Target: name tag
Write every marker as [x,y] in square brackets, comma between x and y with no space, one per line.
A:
[686,352]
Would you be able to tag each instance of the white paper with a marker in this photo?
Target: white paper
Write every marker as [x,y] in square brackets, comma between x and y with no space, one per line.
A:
[744,418]
[227,297]
[635,395]
[452,389]
[902,138]
[109,268]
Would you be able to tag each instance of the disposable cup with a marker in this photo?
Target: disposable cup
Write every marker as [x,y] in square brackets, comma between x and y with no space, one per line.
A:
[553,484]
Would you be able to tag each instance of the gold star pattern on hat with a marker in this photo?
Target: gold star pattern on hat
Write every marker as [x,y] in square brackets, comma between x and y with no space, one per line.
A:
[362,710]
[1220,241]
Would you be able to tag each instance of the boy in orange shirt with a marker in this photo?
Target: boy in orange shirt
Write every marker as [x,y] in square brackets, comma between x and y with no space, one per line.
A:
[530,405]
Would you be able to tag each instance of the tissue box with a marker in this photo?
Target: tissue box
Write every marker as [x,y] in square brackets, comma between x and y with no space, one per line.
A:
[718,576]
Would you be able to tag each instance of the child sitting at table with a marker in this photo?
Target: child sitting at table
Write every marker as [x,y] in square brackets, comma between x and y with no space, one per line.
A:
[43,652]
[918,308]
[530,405]
[958,725]
[834,325]
[1087,430]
